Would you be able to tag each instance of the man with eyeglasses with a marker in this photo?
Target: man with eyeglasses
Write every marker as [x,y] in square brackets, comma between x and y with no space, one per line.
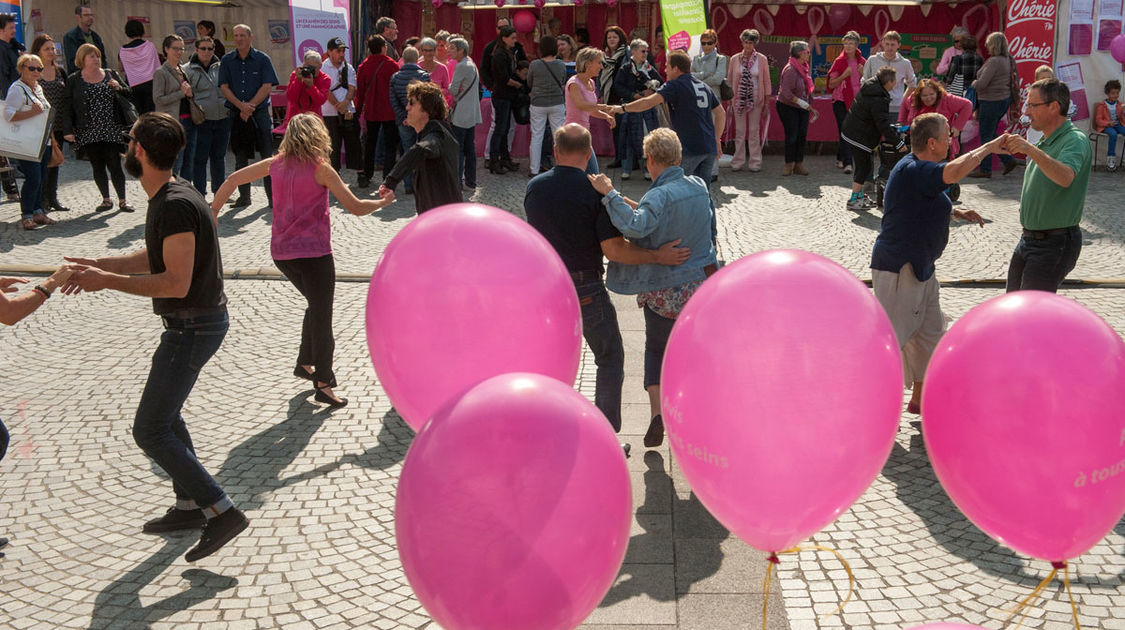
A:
[83,33]
[1054,191]
[916,215]
[181,269]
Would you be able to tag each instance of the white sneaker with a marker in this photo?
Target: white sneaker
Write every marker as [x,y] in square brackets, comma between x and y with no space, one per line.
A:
[624,176]
[1111,162]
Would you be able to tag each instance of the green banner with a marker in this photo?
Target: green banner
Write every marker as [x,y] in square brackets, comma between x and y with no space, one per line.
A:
[684,21]
[924,51]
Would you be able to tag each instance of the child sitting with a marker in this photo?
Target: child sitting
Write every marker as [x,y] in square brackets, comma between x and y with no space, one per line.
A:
[1109,118]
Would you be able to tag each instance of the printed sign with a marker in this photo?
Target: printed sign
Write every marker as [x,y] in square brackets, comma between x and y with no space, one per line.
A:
[684,21]
[1031,36]
[279,31]
[185,29]
[314,23]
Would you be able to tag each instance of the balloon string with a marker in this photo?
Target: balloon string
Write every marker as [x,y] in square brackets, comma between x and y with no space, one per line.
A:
[798,549]
[1073,606]
[1022,608]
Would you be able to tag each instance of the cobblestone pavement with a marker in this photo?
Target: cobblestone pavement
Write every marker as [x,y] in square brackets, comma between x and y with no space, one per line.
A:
[319,486]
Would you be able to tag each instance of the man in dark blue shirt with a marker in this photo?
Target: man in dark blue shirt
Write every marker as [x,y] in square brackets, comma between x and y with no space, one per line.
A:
[697,115]
[916,215]
[568,212]
[246,76]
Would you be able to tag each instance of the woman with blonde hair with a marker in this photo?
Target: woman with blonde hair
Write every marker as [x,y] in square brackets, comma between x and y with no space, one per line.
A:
[301,244]
[25,100]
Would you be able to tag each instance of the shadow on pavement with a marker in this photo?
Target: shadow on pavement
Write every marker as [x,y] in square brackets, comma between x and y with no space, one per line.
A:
[690,512]
[230,223]
[119,604]
[11,234]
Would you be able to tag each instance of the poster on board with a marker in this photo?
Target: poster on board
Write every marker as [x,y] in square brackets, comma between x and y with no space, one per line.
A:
[314,22]
[684,21]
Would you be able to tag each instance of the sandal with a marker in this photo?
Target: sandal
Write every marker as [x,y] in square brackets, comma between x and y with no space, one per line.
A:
[105,205]
[125,207]
[28,224]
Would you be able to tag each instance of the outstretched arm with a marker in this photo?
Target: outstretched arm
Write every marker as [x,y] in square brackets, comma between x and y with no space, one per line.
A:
[244,175]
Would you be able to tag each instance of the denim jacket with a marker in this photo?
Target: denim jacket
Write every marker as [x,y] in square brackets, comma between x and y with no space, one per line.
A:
[676,207]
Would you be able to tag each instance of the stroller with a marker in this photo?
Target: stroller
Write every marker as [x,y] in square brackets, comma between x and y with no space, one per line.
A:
[889,156]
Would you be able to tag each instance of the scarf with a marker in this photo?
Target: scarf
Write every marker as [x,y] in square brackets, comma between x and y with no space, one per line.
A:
[803,69]
[745,96]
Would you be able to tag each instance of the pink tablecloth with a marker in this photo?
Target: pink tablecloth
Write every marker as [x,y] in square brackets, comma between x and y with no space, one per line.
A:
[599,129]
[823,130]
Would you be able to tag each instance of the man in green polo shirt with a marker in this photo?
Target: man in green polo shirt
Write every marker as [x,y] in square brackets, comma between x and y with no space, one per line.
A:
[1054,191]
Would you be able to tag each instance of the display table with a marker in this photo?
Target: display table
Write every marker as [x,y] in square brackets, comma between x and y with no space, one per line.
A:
[822,130]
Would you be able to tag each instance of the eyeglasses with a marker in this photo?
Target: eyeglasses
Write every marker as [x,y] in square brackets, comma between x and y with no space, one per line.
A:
[35,68]
[205,48]
[177,48]
[703,43]
[1034,105]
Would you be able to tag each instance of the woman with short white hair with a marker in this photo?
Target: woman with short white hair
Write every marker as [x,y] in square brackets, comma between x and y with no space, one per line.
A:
[25,100]
[748,74]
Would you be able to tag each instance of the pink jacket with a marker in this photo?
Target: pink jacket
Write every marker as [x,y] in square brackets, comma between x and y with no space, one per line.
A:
[301,98]
[1101,116]
[846,91]
[958,111]
[765,88]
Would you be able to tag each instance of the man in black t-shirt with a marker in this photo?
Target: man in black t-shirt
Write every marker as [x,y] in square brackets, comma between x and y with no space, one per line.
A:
[568,212]
[181,270]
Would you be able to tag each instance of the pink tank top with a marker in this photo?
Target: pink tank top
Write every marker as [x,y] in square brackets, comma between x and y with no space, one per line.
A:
[573,114]
[301,227]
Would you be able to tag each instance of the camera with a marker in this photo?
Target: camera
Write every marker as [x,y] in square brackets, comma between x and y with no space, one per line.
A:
[307,72]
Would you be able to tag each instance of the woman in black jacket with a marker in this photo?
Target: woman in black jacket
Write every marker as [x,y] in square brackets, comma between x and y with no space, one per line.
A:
[869,120]
[505,86]
[636,79]
[433,159]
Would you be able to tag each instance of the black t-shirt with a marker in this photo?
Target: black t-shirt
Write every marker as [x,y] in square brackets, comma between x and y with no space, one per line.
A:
[178,207]
[916,211]
[566,209]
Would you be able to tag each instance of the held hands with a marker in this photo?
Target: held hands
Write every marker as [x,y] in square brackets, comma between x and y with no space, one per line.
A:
[1010,144]
[386,194]
[84,278]
[671,255]
[601,183]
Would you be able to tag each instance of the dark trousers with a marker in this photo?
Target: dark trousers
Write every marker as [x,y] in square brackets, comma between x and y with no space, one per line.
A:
[467,160]
[843,150]
[142,97]
[211,140]
[864,164]
[51,183]
[502,107]
[31,197]
[602,334]
[407,136]
[387,132]
[344,133]
[795,121]
[315,278]
[989,116]
[262,142]
[618,137]
[657,330]
[159,428]
[1042,264]
[107,156]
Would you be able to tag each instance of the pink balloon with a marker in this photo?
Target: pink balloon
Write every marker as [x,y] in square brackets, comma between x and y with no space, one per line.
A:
[463,293]
[782,390]
[838,15]
[1117,48]
[1022,416]
[514,507]
[524,21]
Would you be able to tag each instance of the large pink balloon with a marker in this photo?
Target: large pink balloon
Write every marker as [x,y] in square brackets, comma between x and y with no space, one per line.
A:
[513,508]
[524,21]
[1024,420]
[782,390]
[462,293]
[1117,48]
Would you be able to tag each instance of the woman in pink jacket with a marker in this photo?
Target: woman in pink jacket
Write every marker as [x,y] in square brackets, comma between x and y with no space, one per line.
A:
[844,78]
[932,97]
[748,74]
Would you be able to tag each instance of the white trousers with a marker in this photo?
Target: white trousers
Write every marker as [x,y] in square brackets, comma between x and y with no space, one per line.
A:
[554,116]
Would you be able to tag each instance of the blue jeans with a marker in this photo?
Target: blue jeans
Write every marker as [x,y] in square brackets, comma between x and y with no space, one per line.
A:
[31,195]
[657,330]
[1042,264]
[592,165]
[699,165]
[185,160]
[1113,132]
[185,347]
[407,136]
[499,147]
[989,116]
[467,160]
[263,144]
[211,139]
[602,334]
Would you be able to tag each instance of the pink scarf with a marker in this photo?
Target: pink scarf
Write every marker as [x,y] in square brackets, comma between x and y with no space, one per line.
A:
[803,69]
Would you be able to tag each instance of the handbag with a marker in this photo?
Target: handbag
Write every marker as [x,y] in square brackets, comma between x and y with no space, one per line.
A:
[197,115]
[126,111]
[26,139]
[726,92]
[57,157]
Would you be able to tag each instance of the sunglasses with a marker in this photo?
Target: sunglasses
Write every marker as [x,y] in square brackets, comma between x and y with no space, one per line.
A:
[707,43]
[35,68]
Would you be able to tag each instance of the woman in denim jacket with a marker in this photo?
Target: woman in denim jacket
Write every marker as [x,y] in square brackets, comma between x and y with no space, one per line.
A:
[675,207]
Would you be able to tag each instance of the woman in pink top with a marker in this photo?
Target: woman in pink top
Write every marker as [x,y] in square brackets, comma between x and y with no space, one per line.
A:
[748,74]
[301,245]
[843,80]
[442,55]
[929,97]
[439,72]
[582,96]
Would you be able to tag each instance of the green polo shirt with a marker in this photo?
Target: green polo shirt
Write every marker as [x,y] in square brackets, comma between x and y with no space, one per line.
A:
[1044,205]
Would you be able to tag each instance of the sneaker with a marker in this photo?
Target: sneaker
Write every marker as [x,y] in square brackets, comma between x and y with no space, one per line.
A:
[848,169]
[175,520]
[839,164]
[218,532]
[655,435]
[625,176]
[1111,163]
[860,204]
